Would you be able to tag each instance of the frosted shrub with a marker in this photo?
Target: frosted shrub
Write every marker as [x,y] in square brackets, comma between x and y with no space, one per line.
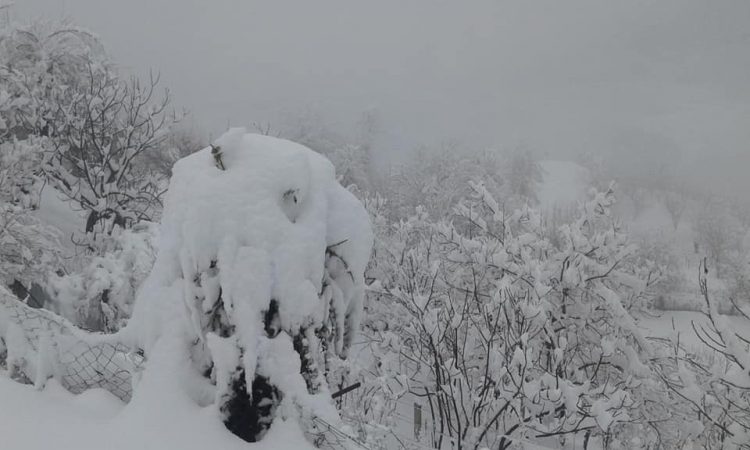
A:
[100,295]
[714,383]
[29,249]
[511,339]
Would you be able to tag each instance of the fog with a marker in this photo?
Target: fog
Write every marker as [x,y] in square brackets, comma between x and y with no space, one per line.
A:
[444,261]
[557,77]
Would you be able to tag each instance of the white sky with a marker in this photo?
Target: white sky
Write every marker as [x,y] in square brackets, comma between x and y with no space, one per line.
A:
[559,76]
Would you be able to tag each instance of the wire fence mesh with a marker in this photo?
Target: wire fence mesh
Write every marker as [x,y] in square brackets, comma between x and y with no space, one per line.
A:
[83,360]
[79,360]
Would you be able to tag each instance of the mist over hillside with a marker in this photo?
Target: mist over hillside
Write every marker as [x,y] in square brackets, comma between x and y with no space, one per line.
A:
[374,225]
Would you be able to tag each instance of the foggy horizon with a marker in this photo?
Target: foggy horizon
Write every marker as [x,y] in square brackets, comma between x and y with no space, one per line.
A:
[559,78]
[380,225]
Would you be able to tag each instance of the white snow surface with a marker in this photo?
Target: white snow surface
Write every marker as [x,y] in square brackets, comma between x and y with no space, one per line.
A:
[95,420]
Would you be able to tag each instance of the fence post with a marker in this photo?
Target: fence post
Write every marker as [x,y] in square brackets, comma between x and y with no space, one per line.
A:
[417,420]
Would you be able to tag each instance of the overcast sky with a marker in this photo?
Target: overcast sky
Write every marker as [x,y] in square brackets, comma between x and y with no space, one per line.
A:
[559,77]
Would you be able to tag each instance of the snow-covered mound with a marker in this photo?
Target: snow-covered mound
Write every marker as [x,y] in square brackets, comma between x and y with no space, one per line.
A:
[269,216]
[259,275]
[564,184]
[257,238]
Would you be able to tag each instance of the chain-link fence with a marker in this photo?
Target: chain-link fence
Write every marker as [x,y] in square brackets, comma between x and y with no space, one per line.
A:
[79,360]
[82,360]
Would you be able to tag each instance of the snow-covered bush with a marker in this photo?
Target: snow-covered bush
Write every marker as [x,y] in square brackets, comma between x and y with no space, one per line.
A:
[100,295]
[523,174]
[29,249]
[657,259]
[179,142]
[258,284]
[111,123]
[21,180]
[436,179]
[71,122]
[39,65]
[350,155]
[553,220]
[715,384]
[512,339]
[719,234]
[59,84]
[738,274]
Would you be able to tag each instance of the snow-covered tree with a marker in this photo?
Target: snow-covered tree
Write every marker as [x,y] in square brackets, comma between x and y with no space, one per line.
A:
[258,281]
[179,143]
[719,234]
[675,202]
[58,83]
[436,179]
[351,155]
[29,249]
[714,384]
[111,124]
[658,260]
[523,173]
[39,66]
[83,131]
[511,339]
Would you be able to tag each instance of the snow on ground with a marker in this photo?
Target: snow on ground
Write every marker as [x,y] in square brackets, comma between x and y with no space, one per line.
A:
[53,418]
[667,324]
[564,184]
[95,420]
